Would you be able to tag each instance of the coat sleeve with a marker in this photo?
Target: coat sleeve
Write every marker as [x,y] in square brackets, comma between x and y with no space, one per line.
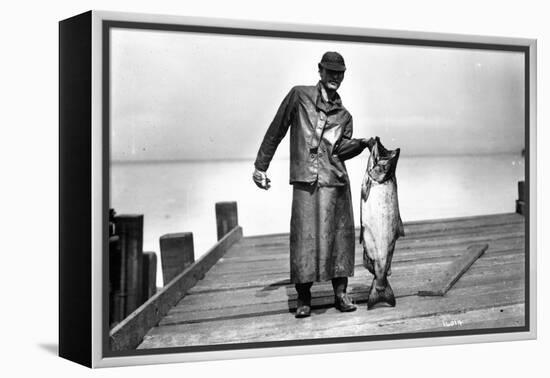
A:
[276,131]
[347,147]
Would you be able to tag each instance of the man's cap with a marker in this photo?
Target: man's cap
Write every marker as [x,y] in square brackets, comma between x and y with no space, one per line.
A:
[331,60]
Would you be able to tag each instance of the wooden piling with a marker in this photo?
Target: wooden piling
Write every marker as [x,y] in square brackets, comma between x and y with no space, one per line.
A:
[130,332]
[176,254]
[520,202]
[129,228]
[521,190]
[117,293]
[149,275]
[226,217]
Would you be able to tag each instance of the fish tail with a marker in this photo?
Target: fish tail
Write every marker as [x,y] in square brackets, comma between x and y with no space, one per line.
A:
[380,295]
[367,261]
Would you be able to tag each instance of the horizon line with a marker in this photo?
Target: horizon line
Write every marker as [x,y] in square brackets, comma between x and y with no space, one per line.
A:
[242,159]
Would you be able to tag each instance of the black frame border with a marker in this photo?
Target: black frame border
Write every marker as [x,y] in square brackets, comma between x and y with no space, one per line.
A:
[75,189]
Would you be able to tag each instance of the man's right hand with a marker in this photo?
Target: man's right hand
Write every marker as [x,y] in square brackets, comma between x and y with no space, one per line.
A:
[261,180]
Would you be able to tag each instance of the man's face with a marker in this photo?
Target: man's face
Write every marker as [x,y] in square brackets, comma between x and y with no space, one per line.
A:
[331,79]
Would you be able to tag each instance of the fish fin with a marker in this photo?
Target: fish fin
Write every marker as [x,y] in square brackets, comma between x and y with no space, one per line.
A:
[368,262]
[384,295]
[365,189]
[361,222]
[364,192]
[400,227]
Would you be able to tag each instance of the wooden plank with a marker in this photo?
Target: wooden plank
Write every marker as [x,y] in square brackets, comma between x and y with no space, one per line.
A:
[421,255]
[411,228]
[270,281]
[267,248]
[498,293]
[403,283]
[403,251]
[504,322]
[450,241]
[454,271]
[492,317]
[446,225]
[129,333]
[241,303]
[426,252]
[284,327]
[462,230]
[479,275]
[474,236]
[400,254]
[444,222]
[218,279]
[268,241]
[252,299]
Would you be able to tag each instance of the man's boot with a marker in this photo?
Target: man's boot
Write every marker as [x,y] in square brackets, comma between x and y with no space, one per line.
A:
[303,303]
[341,299]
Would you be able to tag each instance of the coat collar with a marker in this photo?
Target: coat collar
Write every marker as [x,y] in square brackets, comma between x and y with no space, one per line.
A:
[327,106]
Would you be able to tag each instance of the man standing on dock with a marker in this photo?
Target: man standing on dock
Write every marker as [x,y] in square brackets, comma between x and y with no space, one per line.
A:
[322,231]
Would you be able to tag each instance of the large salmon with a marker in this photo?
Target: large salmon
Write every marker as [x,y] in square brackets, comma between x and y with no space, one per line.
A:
[381,223]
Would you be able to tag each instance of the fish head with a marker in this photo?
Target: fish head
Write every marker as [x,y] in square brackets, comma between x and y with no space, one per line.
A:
[382,162]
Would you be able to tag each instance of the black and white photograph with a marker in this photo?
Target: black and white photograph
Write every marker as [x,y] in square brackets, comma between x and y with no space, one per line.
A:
[275,189]
[271,188]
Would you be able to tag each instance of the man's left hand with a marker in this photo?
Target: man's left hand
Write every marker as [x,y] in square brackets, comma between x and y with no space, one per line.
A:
[368,142]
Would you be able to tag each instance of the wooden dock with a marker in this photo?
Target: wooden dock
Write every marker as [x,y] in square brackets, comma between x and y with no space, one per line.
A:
[240,291]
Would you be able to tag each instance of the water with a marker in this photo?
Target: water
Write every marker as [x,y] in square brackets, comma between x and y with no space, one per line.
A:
[180,196]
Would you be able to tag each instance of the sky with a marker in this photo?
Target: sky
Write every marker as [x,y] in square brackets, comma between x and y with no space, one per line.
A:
[194,96]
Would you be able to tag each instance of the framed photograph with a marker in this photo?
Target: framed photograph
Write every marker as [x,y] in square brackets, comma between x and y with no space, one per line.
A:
[233,189]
